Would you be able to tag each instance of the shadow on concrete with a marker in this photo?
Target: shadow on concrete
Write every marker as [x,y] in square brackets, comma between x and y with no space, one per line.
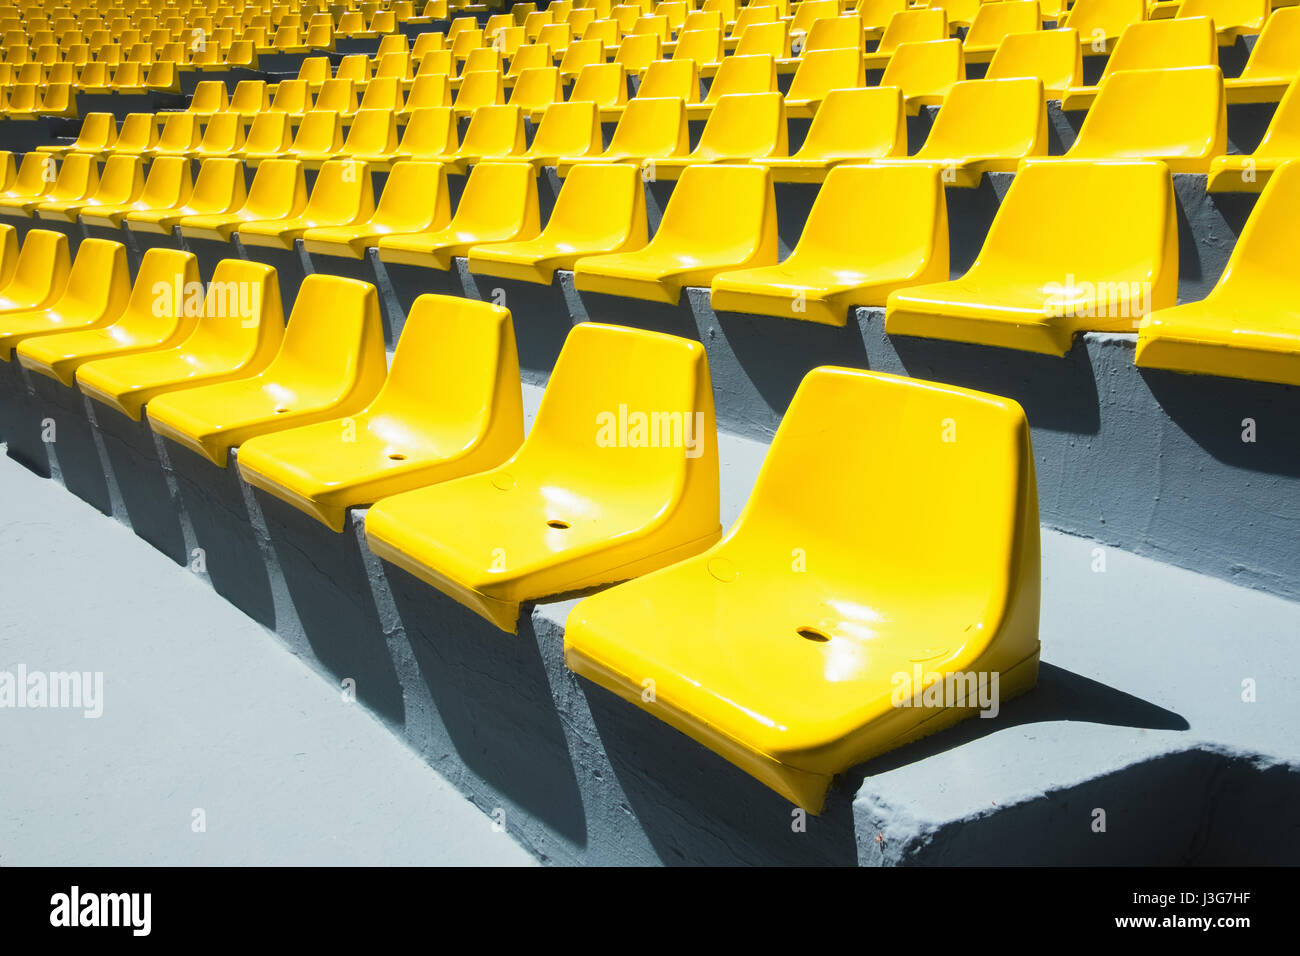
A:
[325,576]
[491,695]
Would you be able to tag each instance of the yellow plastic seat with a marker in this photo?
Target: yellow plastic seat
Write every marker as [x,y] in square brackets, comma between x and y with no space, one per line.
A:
[1178,116]
[179,136]
[819,72]
[736,75]
[169,184]
[40,274]
[278,191]
[209,97]
[852,126]
[741,127]
[415,199]
[579,55]
[342,196]
[567,130]
[537,89]
[771,39]
[1046,272]
[337,96]
[985,126]
[154,317]
[704,47]
[583,502]
[480,88]
[600,210]
[604,84]
[270,136]
[663,79]
[292,97]
[427,92]
[994,22]
[925,72]
[218,190]
[494,133]
[1153,45]
[97,134]
[34,178]
[1250,173]
[1101,22]
[499,204]
[719,218]
[1249,325]
[77,179]
[1274,62]
[429,133]
[319,136]
[249,98]
[223,136]
[528,56]
[1232,18]
[839,264]
[637,51]
[797,677]
[122,181]
[451,406]
[330,364]
[1053,56]
[372,132]
[911,26]
[961,13]
[91,294]
[240,323]
[382,93]
[650,129]
[8,254]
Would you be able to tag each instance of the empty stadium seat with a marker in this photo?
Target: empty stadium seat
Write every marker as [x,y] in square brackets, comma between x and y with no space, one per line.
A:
[278,191]
[494,133]
[33,179]
[169,184]
[911,26]
[341,196]
[742,126]
[1249,325]
[450,406]
[1177,116]
[90,294]
[1232,18]
[569,130]
[1250,173]
[994,22]
[584,501]
[1153,45]
[330,364]
[121,181]
[97,133]
[240,323]
[1045,272]
[270,136]
[415,200]
[223,136]
[1273,63]
[154,317]
[925,72]
[821,71]
[649,129]
[737,74]
[600,210]
[795,677]
[851,126]
[78,176]
[499,204]
[1053,56]
[1100,23]
[984,126]
[218,190]
[840,261]
[40,275]
[720,217]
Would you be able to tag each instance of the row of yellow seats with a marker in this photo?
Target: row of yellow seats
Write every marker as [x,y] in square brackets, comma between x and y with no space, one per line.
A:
[587,499]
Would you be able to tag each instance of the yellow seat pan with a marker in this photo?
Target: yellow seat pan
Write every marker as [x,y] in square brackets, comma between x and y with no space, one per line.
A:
[780,647]
[566,512]
[330,364]
[234,338]
[149,321]
[451,406]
